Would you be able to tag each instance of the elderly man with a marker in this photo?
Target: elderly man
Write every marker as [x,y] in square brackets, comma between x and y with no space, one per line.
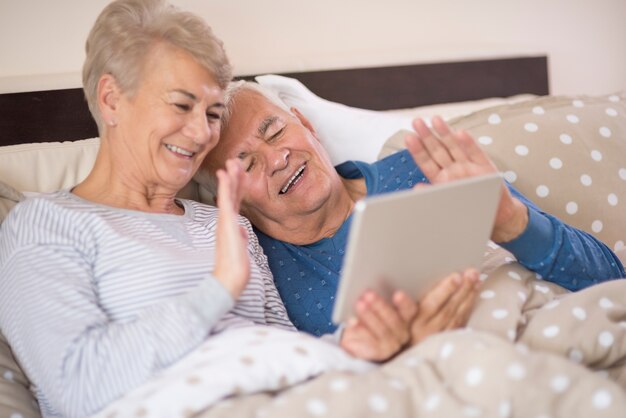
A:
[300,205]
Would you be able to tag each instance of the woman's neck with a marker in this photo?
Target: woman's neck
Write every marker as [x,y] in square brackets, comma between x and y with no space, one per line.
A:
[112,186]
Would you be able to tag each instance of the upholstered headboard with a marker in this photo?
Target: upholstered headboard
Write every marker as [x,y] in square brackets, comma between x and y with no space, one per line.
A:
[59,115]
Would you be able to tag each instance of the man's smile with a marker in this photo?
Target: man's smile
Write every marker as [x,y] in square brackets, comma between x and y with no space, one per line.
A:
[294,179]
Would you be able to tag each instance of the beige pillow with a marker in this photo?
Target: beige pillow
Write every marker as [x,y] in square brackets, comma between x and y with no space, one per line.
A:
[8,198]
[50,166]
[567,154]
[16,400]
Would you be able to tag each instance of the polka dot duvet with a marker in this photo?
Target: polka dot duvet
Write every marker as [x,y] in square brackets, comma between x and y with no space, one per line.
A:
[531,349]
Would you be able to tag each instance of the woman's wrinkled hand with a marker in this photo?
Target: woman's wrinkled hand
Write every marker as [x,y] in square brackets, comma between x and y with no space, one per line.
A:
[232,264]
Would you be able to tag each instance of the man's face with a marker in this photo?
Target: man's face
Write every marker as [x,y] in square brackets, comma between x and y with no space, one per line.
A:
[290,175]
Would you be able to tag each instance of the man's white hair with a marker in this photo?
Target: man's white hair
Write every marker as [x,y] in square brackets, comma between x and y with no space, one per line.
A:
[238,86]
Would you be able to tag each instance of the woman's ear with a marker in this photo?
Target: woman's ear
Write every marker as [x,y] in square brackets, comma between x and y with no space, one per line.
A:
[303,120]
[108,98]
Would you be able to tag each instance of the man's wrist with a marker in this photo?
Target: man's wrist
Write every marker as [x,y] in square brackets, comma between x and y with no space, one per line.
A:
[515,226]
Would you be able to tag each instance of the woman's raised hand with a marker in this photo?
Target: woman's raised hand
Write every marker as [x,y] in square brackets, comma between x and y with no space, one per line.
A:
[232,264]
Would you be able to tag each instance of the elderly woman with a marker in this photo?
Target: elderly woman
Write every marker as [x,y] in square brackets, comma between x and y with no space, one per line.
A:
[103,285]
[107,283]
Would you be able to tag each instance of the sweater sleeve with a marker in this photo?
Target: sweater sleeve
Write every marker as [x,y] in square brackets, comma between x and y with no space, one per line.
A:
[561,253]
[275,311]
[73,351]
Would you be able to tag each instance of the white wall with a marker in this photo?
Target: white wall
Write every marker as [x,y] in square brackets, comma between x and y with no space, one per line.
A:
[41,42]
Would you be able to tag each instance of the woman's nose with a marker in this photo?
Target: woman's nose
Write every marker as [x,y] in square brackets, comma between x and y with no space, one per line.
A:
[197,127]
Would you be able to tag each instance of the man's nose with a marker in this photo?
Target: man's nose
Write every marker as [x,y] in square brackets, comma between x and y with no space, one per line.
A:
[277,159]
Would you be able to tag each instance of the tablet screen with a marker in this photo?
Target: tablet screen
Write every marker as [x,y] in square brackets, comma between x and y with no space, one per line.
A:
[410,239]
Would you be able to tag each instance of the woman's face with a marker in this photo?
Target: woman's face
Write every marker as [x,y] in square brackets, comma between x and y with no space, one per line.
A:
[165,129]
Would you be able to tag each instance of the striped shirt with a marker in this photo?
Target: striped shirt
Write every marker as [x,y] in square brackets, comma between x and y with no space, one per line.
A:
[95,300]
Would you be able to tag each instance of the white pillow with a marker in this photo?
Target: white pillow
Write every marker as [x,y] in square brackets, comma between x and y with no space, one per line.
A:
[347,133]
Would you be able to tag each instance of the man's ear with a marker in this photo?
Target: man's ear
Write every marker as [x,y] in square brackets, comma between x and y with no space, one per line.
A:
[303,120]
[109,95]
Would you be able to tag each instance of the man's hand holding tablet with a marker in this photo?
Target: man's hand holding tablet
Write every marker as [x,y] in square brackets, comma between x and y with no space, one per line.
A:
[412,239]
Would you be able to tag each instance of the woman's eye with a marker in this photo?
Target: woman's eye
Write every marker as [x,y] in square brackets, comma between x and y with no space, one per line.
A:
[213,116]
[182,106]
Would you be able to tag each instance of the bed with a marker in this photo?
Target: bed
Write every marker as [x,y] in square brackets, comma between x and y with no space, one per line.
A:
[531,348]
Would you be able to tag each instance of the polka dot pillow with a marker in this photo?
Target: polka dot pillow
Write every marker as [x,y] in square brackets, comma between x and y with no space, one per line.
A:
[567,154]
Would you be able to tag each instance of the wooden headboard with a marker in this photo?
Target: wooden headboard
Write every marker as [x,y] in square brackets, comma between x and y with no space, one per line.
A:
[59,115]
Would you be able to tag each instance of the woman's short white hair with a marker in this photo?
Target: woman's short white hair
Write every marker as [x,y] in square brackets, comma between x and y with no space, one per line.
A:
[124,33]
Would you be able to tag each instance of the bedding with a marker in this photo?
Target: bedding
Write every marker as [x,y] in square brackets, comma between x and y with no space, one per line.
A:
[531,348]
[526,339]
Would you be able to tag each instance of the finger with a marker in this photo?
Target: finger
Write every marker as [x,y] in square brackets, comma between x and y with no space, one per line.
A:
[368,317]
[421,156]
[464,310]
[421,128]
[435,148]
[406,306]
[450,139]
[440,126]
[436,298]
[234,171]
[358,340]
[225,193]
[451,313]
[395,326]
[473,151]
[466,306]
[223,188]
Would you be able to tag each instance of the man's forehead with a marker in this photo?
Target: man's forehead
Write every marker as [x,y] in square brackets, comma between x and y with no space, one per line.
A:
[255,112]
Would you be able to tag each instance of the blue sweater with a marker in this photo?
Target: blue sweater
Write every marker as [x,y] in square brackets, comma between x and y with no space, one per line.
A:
[307,275]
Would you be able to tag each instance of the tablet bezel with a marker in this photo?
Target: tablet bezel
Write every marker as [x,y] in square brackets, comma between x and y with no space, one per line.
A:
[398,240]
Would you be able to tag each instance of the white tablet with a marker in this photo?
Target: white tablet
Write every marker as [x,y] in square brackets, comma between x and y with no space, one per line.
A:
[410,239]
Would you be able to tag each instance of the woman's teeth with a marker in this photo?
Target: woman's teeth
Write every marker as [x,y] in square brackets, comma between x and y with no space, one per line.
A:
[179,150]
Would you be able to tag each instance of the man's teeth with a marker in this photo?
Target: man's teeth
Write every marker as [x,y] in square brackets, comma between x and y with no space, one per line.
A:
[293,180]
[179,150]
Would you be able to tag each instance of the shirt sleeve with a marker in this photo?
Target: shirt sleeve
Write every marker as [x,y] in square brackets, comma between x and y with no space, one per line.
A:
[73,351]
[561,253]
